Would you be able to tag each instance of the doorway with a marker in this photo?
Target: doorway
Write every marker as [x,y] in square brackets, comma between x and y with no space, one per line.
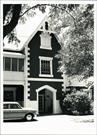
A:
[45,102]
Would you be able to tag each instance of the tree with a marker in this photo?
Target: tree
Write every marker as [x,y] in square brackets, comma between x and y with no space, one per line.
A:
[13,13]
[73,23]
[77,39]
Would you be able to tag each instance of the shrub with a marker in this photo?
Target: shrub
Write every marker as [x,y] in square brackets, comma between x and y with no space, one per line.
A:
[77,103]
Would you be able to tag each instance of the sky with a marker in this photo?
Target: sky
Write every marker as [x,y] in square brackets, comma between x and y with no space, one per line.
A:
[26,29]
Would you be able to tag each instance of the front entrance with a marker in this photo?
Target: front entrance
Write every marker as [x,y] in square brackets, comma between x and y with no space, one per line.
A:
[45,102]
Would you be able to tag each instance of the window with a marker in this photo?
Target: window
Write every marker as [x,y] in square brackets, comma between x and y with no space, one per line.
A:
[21,65]
[14,106]
[45,67]
[45,40]
[7,64]
[13,64]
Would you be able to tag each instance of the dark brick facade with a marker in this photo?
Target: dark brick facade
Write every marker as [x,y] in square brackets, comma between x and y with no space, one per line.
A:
[36,84]
[35,52]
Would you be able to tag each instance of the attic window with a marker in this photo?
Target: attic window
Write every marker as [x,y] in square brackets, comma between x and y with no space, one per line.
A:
[45,41]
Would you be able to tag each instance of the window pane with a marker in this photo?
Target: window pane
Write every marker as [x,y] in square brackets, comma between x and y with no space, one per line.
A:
[14,64]
[21,64]
[45,67]
[7,64]
[14,106]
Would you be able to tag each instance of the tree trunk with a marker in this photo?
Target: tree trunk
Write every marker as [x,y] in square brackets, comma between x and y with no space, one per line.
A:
[14,20]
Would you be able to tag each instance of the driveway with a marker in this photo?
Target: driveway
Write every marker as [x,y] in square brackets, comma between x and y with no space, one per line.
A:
[54,124]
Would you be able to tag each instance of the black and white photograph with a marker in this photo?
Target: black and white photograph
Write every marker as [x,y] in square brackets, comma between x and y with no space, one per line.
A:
[48,67]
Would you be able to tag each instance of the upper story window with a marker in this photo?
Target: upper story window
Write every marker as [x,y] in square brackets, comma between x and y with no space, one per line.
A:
[7,62]
[46,67]
[13,64]
[45,41]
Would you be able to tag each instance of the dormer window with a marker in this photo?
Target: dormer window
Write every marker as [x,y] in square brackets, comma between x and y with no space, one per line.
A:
[45,41]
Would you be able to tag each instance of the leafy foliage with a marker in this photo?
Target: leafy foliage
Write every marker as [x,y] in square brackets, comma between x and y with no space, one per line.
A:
[76,33]
[76,102]
[74,25]
[14,13]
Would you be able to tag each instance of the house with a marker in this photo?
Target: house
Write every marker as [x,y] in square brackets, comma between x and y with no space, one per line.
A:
[30,74]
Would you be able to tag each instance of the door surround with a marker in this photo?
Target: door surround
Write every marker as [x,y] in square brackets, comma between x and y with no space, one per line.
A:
[53,90]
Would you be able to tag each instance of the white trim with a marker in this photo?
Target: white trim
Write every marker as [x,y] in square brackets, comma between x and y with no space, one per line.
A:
[54,95]
[26,100]
[28,49]
[28,58]
[14,82]
[13,55]
[28,84]
[51,66]
[45,48]
[28,53]
[62,85]
[28,67]
[45,75]
[45,58]
[28,73]
[46,87]
[49,31]
[45,79]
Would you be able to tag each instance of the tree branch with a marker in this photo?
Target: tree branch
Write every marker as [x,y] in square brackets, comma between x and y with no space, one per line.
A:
[55,6]
[14,21]
[29,9]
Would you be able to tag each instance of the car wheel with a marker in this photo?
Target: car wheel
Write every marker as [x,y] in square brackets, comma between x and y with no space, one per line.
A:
[29,117]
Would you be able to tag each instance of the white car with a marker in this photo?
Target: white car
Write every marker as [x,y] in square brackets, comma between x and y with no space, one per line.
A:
[13,111]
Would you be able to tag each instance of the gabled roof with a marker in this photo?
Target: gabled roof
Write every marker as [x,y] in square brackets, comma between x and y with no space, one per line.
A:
[37,29]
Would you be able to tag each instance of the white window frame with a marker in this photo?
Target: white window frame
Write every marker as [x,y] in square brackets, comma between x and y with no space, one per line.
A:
[51,67]
[44,39]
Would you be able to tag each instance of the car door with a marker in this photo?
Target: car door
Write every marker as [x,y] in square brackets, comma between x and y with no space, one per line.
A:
[16,111]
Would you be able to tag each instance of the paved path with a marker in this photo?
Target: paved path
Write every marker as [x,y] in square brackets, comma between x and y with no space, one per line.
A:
[55,124]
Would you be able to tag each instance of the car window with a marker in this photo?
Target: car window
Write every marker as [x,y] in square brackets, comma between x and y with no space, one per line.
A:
[14,106]
[5,106]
